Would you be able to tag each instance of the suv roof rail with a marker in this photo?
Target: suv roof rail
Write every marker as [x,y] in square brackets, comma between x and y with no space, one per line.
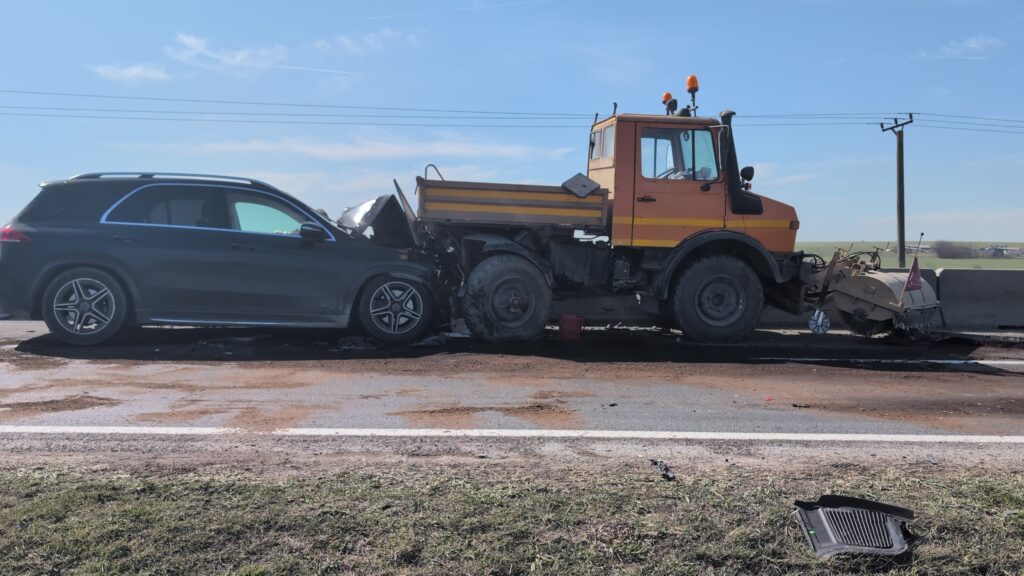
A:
[97,175]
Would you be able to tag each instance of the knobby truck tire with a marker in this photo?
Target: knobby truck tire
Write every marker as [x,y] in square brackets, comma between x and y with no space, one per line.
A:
[507,299]
[717,299]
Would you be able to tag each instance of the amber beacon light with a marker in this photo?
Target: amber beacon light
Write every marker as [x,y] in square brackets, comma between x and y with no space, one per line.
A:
[691,84]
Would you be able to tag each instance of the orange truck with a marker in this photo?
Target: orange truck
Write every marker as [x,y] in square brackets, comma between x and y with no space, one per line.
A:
[663,229]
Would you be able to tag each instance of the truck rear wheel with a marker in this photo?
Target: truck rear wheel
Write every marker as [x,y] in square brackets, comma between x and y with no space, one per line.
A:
[506,299]
[717,299]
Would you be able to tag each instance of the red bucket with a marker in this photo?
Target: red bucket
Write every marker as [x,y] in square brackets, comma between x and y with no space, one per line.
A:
[570,327]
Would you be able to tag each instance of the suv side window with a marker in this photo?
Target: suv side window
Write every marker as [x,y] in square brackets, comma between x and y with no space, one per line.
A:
[260,213]
[173,205]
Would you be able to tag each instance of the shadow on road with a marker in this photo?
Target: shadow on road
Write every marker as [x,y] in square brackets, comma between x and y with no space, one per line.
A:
[596,346]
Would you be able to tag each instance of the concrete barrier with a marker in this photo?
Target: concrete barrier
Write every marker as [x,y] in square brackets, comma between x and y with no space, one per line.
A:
[982,299]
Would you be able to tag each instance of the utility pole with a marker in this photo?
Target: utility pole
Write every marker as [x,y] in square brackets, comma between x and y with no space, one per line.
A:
[901,236]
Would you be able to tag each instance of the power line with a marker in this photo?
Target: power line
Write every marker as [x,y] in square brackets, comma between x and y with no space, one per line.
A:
[961,123]
[739,123]
[970,117]
[822,114]
[273,114]
[942,127]
[280,104]
[295,122]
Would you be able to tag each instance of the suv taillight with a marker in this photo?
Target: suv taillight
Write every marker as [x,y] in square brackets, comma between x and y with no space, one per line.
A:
[9,234]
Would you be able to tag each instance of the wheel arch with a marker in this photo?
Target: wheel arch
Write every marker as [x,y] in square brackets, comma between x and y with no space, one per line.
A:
[399,274]
[718,242]
[498,244]
[57,268]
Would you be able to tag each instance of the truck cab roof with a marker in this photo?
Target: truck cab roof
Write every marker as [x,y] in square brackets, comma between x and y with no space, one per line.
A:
[685,120]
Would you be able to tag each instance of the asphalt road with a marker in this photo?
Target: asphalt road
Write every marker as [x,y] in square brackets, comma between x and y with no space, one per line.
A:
[260,382]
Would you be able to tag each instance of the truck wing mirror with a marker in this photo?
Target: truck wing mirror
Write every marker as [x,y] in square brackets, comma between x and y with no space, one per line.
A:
[747,173]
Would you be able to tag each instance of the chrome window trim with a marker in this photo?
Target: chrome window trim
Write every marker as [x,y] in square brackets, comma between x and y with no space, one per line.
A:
[186,321]
[103,218]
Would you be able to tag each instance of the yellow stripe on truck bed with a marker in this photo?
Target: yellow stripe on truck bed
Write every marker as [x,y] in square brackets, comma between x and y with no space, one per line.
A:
[485,208]
[502,195]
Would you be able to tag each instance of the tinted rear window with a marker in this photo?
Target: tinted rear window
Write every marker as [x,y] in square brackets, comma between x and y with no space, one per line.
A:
[174,205]
[64,204]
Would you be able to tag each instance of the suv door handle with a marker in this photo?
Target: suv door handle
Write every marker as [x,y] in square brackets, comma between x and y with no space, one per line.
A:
[646,199]
[123,240]
[240,246]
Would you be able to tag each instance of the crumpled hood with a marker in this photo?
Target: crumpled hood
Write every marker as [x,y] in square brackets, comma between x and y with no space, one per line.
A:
[381,219]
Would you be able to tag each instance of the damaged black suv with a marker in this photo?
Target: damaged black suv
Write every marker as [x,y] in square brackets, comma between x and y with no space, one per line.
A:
[98,252]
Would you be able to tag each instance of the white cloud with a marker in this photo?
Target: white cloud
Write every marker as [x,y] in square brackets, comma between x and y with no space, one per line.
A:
[368,149]
[973,48]
[363,44]
[132,72]
[196,51]
[768,175]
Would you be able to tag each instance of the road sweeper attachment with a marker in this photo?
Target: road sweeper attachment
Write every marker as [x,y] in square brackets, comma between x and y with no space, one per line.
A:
[869,300]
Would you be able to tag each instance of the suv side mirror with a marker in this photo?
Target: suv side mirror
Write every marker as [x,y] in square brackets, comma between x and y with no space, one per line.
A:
[747,173]
[313,232]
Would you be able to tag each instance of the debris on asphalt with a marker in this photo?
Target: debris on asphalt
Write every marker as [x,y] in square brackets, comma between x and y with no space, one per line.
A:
[355,344]
[844,524]
[798,405]
[663,469]
[435,340]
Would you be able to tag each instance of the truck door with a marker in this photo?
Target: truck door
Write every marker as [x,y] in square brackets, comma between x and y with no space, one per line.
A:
[678,190]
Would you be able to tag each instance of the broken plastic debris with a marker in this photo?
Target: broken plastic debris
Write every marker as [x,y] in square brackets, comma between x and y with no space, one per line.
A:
[663,469]
[843,524]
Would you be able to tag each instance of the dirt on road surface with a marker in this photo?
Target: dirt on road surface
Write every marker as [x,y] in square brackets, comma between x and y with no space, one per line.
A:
[261,381]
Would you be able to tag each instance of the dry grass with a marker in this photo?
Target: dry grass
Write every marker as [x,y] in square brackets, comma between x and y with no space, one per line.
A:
[490,519]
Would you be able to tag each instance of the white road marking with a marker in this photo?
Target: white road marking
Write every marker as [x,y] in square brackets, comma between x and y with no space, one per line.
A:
[959,362]
[518,433]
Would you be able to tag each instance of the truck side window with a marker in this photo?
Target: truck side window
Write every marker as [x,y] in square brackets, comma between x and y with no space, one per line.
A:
[668,154]
[656,155]
[609,142]
[699,141]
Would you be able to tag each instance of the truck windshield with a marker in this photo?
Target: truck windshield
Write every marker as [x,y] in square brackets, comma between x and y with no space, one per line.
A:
[674,153]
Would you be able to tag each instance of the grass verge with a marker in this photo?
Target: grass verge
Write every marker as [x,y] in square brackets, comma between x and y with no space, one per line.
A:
[489,519]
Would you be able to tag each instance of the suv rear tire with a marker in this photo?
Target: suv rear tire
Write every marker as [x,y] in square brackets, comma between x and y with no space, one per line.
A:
[718,299]
[84,306]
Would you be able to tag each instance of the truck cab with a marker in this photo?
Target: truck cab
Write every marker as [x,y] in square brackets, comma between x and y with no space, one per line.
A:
[668,179]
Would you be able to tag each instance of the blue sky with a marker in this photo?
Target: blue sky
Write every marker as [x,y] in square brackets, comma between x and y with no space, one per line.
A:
[960,57]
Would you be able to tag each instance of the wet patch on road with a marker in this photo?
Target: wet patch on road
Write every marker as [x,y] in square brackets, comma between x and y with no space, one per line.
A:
[13,410]
[547,416]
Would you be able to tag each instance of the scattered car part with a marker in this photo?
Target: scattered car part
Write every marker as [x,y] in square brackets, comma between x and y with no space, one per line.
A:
[663,469]
[844,524]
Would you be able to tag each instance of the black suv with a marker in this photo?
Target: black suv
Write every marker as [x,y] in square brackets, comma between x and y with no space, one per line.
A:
[98,252]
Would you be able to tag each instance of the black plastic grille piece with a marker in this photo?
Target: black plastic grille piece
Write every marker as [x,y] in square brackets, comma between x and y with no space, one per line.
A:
[843,524]
[857,527]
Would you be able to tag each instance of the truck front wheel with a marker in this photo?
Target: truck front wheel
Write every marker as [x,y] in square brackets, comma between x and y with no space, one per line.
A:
[717,299]
[507,299]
